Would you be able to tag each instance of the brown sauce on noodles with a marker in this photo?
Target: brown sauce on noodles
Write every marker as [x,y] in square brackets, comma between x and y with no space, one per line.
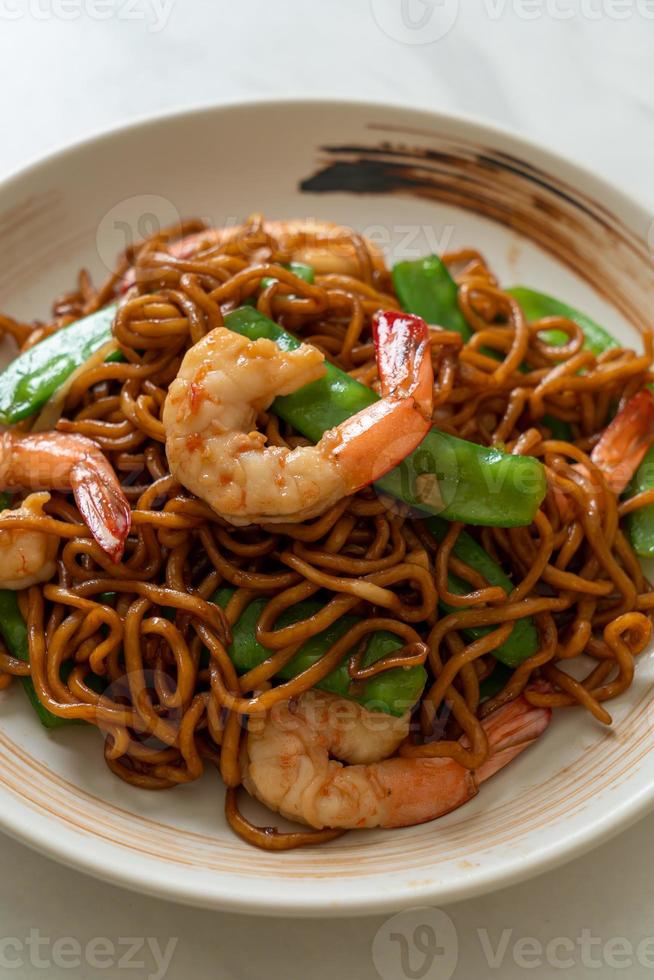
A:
[180,711]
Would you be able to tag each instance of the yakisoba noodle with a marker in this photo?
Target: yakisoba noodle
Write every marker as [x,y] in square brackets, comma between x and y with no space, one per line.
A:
[574,572]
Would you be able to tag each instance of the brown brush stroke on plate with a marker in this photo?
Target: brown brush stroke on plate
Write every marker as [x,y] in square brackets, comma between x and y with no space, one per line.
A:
[577,230]
[595,244]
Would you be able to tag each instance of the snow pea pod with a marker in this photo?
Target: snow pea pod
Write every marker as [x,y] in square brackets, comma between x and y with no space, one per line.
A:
[34,376]
[393,691]
[459,480]
[523,641]
[493,684]
[426,288]
[298,269]
[14,633]
[537,306]
[640,523]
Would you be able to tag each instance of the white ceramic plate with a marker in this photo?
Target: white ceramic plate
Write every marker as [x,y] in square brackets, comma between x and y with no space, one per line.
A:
[415,182]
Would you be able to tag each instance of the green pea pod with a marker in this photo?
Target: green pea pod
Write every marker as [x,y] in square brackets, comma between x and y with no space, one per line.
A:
[34,376]
[523,641]
[298,269]
[494,683]
[426,288]
[559,428]
[459,480]
[536,306]
[641,521]
[14,632]
[393,691]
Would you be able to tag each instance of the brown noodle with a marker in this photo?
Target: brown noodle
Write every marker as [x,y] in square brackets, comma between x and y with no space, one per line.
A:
[167,709]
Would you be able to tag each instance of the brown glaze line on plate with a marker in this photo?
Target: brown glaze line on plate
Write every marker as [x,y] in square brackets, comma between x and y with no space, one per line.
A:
[577,230]
[573,227]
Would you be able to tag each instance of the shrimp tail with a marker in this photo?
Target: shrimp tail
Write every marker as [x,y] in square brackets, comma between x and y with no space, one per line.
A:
[402,348]
[510,730]
[287,764]
[104,508]
[624,442]
[378,439]
[66,461]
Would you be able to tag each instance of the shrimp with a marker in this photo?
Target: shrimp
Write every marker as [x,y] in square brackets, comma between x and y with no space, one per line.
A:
[325,246]
[225,380]
[619,451]
[624,442]
[287,765]
[58,461]
[26,557]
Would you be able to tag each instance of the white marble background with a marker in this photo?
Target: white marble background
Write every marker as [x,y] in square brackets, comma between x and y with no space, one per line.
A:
[576,74]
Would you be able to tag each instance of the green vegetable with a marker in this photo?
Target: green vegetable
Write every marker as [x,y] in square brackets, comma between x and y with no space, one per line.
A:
[494,683]
[298,269]
[445,475]
[523,641]
[393,691]
[34,376]
[426,288]
[641,522]
[536,306]
[559,428]
[14,632]
[459,480]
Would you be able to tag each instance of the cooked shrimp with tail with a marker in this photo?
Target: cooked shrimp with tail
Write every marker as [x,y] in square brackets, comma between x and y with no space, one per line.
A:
[330,249]
[619,450]
[225,381]
[56,461]
[294,763]
[623,444]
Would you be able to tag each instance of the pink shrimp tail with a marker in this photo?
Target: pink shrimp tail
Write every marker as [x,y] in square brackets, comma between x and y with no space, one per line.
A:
[104,508]
[66,461]
[403,414]
[403,361]
[510,731]
[624,442]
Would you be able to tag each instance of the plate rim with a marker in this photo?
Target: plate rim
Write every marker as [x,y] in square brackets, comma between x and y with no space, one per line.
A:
[401,894]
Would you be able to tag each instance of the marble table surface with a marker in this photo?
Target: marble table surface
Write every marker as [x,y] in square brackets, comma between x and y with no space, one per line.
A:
[575,74]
